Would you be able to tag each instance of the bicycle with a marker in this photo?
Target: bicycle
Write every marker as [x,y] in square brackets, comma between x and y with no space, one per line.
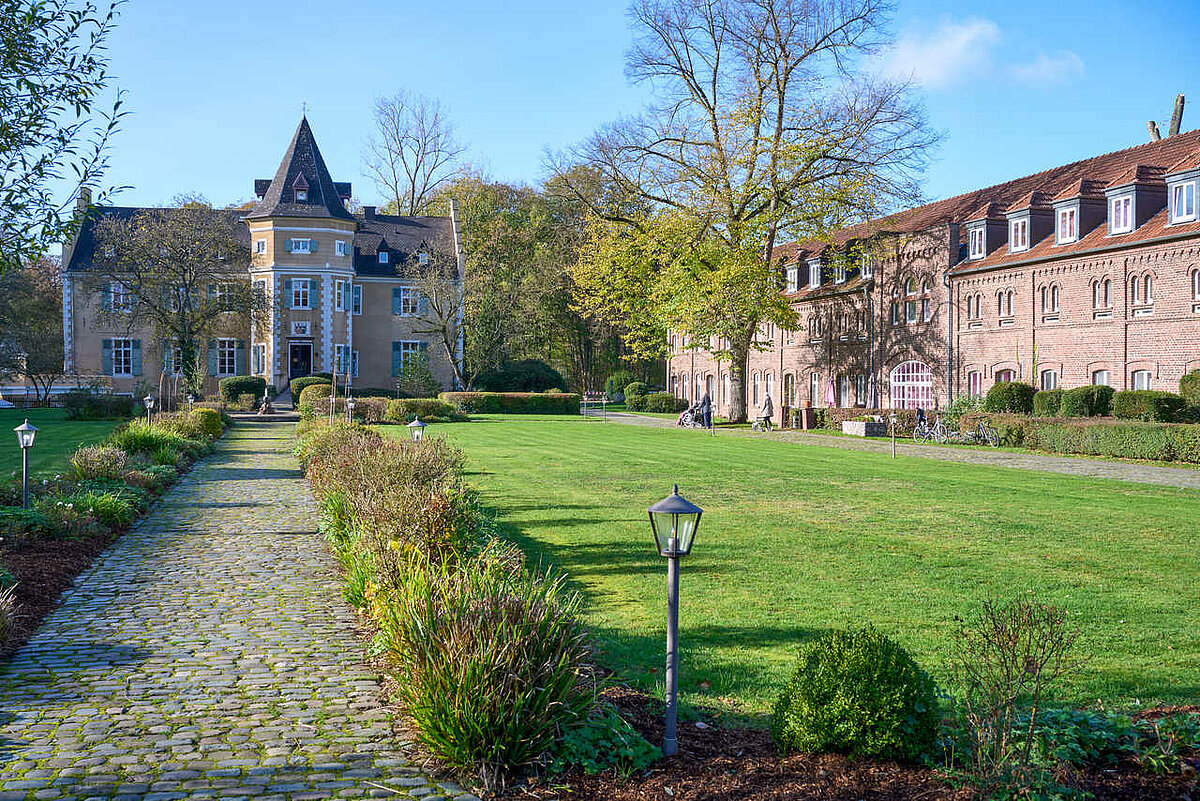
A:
[923,432]
[984,432]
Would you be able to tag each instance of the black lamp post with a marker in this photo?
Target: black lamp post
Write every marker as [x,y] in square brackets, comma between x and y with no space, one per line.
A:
[674,521]
[149,402]
[417,429]
[25,435]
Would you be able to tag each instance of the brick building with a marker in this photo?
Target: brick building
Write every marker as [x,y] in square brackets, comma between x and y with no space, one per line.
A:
[1086,273]
[343,292]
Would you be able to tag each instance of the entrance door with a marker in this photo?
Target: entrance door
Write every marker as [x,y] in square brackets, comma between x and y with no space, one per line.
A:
[301,359]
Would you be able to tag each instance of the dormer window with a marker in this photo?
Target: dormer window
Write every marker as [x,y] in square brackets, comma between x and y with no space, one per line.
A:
[1018,235]
[1068,226]
[793,278]
[300,188]
[977,240]
[301,195]
[1183,202]
[814,273]
[383,257]
[839,274]
[868,266]
[1120,215]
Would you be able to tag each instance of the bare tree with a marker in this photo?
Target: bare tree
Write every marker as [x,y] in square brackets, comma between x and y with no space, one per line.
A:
[764,125]
[442,306]
[413,152]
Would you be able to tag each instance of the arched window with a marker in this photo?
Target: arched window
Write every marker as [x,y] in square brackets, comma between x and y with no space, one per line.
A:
[910,286]
[683,385]
[1107,294]
[710,388]
[1008,303]
[926,287]
[1195,284]
[999,304]
[1054,293]
[699,387]
[725,390]
[757,395]
[1004,376]
[771,386]
[789,390]
[1135,290]
[1142,379]
[1148,289]
[1049,379]
[912,386]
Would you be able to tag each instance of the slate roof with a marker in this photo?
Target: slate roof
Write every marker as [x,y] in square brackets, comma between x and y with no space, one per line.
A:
[1174,154]
[402,237]
[82,256]
[302,159]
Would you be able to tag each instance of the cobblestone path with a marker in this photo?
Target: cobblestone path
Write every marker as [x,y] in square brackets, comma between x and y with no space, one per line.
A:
[1068,465]
[208,653]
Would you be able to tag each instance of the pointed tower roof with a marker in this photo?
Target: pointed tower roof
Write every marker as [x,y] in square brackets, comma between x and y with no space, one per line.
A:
[302,164]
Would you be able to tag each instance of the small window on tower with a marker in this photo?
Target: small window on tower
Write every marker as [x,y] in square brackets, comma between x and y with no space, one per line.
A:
[301,195]
[383,257]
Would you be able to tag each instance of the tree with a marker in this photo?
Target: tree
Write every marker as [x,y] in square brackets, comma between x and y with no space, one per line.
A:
[53,69]
[761,128]
[181,270]
[413,152]
[31,335]
[439,285]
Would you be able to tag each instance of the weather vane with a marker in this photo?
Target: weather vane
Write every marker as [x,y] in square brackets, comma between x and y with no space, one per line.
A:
[303,108]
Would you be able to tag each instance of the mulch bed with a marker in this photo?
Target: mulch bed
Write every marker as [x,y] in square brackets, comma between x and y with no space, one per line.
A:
[43,569]
[734,763]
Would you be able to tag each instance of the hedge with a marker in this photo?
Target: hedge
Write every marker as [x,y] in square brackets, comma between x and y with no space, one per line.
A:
[234,387]
[368,410]
[297,386]
[1149,405]
[1047,403]
[513,402]
[1092,401]
[1126,440]
[527,375]
[833,417]
[1010,396]
[661,402]
[1189,388]
[431,410]
[309,395]
[84,405]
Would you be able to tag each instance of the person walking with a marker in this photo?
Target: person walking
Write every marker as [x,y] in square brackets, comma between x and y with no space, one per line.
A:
[706,410]
[767,412]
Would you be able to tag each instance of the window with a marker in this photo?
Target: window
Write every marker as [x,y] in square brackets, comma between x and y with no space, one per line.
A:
[339,248]
[1102,294]
[224,296]
[173,359]
[1195,284]
[926,309]
[789,391]
[839,273]
[843,398]
[725,389]
[1050,295]
[354,364]
[302,246]
[122,357]
[894,313]
[260,246]
[1135,290]
[912,386]
[868,266]
[755,396]
[356,299]
[260,293]
[1018,236]
[771,385]
[301,195]
[1142,380]
[383,257]
[226,356]
[1183,202]
[1066,226]
[403,352]
[1004,303]
[975,383]
[122,298]
[793,279]
[910,287]
[814,273]
[300,293]
[860,389]
[422,259]
[258,359]
[814,389]
[1049,379]
[978,241]
[406,302]
[910,311]
[342,359]
[339,295]
[1120,215]
[1148,290]
[1100,378]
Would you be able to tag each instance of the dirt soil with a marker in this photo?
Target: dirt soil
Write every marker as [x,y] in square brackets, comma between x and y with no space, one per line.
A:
[726,764]
[43,569]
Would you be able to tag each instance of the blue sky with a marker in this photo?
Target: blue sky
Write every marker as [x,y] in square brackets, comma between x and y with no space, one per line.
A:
[216,87]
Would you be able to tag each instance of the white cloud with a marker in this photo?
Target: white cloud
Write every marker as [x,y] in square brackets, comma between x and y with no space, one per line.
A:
[948,55]
[1056,68]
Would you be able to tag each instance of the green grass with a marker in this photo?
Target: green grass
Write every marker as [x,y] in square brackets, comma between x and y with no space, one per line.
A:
[797,539]
[56,440]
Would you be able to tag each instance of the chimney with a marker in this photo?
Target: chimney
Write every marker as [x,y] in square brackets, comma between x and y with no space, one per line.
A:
[1177,117]
[1152,127]
[368,212]
[85,199]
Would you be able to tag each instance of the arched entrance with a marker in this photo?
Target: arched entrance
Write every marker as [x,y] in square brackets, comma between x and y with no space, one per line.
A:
[912,386]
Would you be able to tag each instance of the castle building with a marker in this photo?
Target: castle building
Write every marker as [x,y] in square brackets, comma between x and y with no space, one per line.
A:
[1083,274]
[343,292]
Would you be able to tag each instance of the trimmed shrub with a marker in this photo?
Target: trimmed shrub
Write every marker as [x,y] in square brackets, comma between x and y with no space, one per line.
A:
[1047,403]
[662,402]
[431,410]
[310,394]
[1149,405]
[527,375]
[858,693]
[234,387]
[1189,387]
[297,386]
[616,383]
[209,422]
[84,405]
[635,396]
[833,417]
[99,461]
[1090,401]
[513,402]
[368,410]
[1010,396]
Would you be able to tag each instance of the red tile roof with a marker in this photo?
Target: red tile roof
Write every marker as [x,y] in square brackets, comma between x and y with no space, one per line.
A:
[1182,149]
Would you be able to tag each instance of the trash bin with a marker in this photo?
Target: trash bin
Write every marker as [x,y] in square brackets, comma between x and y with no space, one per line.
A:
[808,418]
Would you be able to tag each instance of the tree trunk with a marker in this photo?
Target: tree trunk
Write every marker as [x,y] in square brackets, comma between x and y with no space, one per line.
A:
[737,382]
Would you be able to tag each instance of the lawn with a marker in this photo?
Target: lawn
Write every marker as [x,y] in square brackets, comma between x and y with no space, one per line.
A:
[798,539]
[56,440]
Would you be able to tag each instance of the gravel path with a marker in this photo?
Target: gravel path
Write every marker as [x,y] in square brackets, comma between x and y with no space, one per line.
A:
[208,653]
[1067,465]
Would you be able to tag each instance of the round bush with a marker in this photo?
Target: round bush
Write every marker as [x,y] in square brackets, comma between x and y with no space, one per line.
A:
[309,394]
[235,386]
[1010,396]
[297,386]
[857,692]
[1092,401]
[618,381]
[1047,403]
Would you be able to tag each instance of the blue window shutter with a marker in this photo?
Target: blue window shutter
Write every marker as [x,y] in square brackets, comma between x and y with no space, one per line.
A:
[212,292]
[137,357]
[357,299]
[212,357]
[423,347]
[288,245]
[106,361]
[423,306]
[287,293]
[395,358]
[106,297]
[239,365]
[396,300]
[314,293]
[312,246]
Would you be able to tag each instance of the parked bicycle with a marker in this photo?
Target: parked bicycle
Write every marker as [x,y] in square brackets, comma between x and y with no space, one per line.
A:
[983,433]
[924,432]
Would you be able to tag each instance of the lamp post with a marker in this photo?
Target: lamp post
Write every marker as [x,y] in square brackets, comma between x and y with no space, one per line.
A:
[149,401]
[25,435]
[674,521]
[349,410]
[191,400]
[417,429]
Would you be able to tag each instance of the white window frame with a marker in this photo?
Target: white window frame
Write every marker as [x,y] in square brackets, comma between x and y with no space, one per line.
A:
[339,296]
[410,302]
[301,293]
[1006,376]
[258,359]
[122,357]
[1018,236]
[975,383]
[356,298]
[868,266]
[408,349]
[839,274]
[1048,380]
[176,358]
[793,278]
[339,247]
[122,297]
[301,246]
[910,311]
[1066,226]
[1144,377]
[383,257]
[1195,284]
[1101,378]
[260,246]
[226,356]
[814,389]
[342,357]
[1183,202]
[1120,215]
[860,389]
[814,273]
[354,363]
[978,242]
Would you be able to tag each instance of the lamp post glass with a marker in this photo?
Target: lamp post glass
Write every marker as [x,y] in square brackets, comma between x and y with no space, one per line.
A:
[349,410]
[25,436]
[417,429]
[149,403]
[674,521]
